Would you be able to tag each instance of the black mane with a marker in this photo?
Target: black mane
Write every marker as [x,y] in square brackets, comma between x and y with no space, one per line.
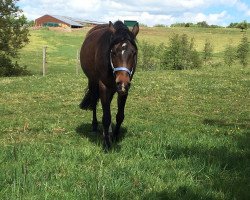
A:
[121,34]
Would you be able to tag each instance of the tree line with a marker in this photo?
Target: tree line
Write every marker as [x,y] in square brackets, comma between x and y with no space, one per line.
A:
[202,24]
[244,25]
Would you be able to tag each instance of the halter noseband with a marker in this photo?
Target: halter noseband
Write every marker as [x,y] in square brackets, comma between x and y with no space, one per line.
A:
[120,68]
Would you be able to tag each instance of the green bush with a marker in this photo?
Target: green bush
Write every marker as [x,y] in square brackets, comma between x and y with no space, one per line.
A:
[243,50]
[229,55]
[207,52]
[147,58]
[8,68]
[181,54]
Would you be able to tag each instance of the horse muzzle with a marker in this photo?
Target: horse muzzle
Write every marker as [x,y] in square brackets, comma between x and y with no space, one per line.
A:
[122,88]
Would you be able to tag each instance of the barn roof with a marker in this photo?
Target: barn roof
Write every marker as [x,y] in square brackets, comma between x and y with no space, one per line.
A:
[67,20]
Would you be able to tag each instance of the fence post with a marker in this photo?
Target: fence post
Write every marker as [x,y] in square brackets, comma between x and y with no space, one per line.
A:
[44,60]
[77,61]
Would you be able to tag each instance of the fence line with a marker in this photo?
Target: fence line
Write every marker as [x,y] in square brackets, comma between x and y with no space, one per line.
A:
[46,60]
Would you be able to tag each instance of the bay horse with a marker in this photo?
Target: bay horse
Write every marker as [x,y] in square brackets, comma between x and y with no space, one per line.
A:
[108,58]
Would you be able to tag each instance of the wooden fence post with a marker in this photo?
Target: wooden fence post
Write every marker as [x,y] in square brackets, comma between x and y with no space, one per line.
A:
[44,60]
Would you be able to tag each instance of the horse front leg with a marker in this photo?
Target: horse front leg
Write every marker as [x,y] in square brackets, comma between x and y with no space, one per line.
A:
[94,121]
[106,98]
[121,101]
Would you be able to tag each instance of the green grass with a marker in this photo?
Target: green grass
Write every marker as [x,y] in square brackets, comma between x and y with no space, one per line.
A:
[61,51]
[186,133]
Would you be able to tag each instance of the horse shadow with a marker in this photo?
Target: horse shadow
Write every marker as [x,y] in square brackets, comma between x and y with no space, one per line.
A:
[182,192]
[85,131]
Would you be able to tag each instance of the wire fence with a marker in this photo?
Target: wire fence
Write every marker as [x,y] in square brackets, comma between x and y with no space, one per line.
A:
[48,60]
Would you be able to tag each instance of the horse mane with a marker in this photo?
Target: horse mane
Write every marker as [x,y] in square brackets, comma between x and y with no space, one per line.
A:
[122,33]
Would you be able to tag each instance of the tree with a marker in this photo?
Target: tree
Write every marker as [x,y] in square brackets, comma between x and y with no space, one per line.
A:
[203,24]
[243,51]
[233,25]
[13,36]
[243,25]
[31,23]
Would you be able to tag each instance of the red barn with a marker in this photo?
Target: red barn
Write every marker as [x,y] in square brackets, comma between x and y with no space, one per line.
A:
[59,21]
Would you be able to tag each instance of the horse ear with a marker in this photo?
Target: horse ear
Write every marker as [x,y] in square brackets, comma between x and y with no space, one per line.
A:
[111,27]
[135,29]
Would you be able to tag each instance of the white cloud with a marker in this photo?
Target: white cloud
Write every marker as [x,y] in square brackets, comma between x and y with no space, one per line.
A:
[243,7]
[142,17]
[146,11]
[213,18]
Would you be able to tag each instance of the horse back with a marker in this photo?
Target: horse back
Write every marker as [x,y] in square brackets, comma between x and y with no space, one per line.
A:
[93,52]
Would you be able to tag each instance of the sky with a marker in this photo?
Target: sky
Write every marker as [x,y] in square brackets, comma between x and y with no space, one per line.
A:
[148,12]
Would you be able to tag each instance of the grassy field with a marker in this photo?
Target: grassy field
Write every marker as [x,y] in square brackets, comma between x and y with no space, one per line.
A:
[62,46]
[186,133]
[219,38]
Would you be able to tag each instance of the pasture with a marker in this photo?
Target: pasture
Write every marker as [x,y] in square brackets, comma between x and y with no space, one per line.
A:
[186,133]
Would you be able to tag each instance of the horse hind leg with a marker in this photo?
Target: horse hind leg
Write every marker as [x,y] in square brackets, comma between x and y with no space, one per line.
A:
[94,120]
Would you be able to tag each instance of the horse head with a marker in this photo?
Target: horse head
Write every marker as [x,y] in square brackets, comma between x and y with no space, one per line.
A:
[123,55]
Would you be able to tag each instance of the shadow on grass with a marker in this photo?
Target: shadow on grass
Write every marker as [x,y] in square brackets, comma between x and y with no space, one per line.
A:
[244,123]
[85,130]
[182,193]
[224,170]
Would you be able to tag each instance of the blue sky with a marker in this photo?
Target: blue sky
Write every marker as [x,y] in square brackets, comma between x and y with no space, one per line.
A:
[149,12]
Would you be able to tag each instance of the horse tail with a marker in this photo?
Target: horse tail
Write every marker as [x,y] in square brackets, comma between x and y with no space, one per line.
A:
[91,97]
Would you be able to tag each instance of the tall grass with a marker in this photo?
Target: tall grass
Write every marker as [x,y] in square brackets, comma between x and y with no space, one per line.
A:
[185,137]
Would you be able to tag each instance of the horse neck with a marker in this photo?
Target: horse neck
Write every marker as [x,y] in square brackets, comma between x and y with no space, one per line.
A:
[97,28]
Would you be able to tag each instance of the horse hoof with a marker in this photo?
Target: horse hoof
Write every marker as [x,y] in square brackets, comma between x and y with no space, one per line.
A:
[115,138]
[106,147]
[107,144]
[94,129]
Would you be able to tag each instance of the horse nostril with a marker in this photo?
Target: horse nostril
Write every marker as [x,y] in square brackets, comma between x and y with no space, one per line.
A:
[118,83]
[122,87]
